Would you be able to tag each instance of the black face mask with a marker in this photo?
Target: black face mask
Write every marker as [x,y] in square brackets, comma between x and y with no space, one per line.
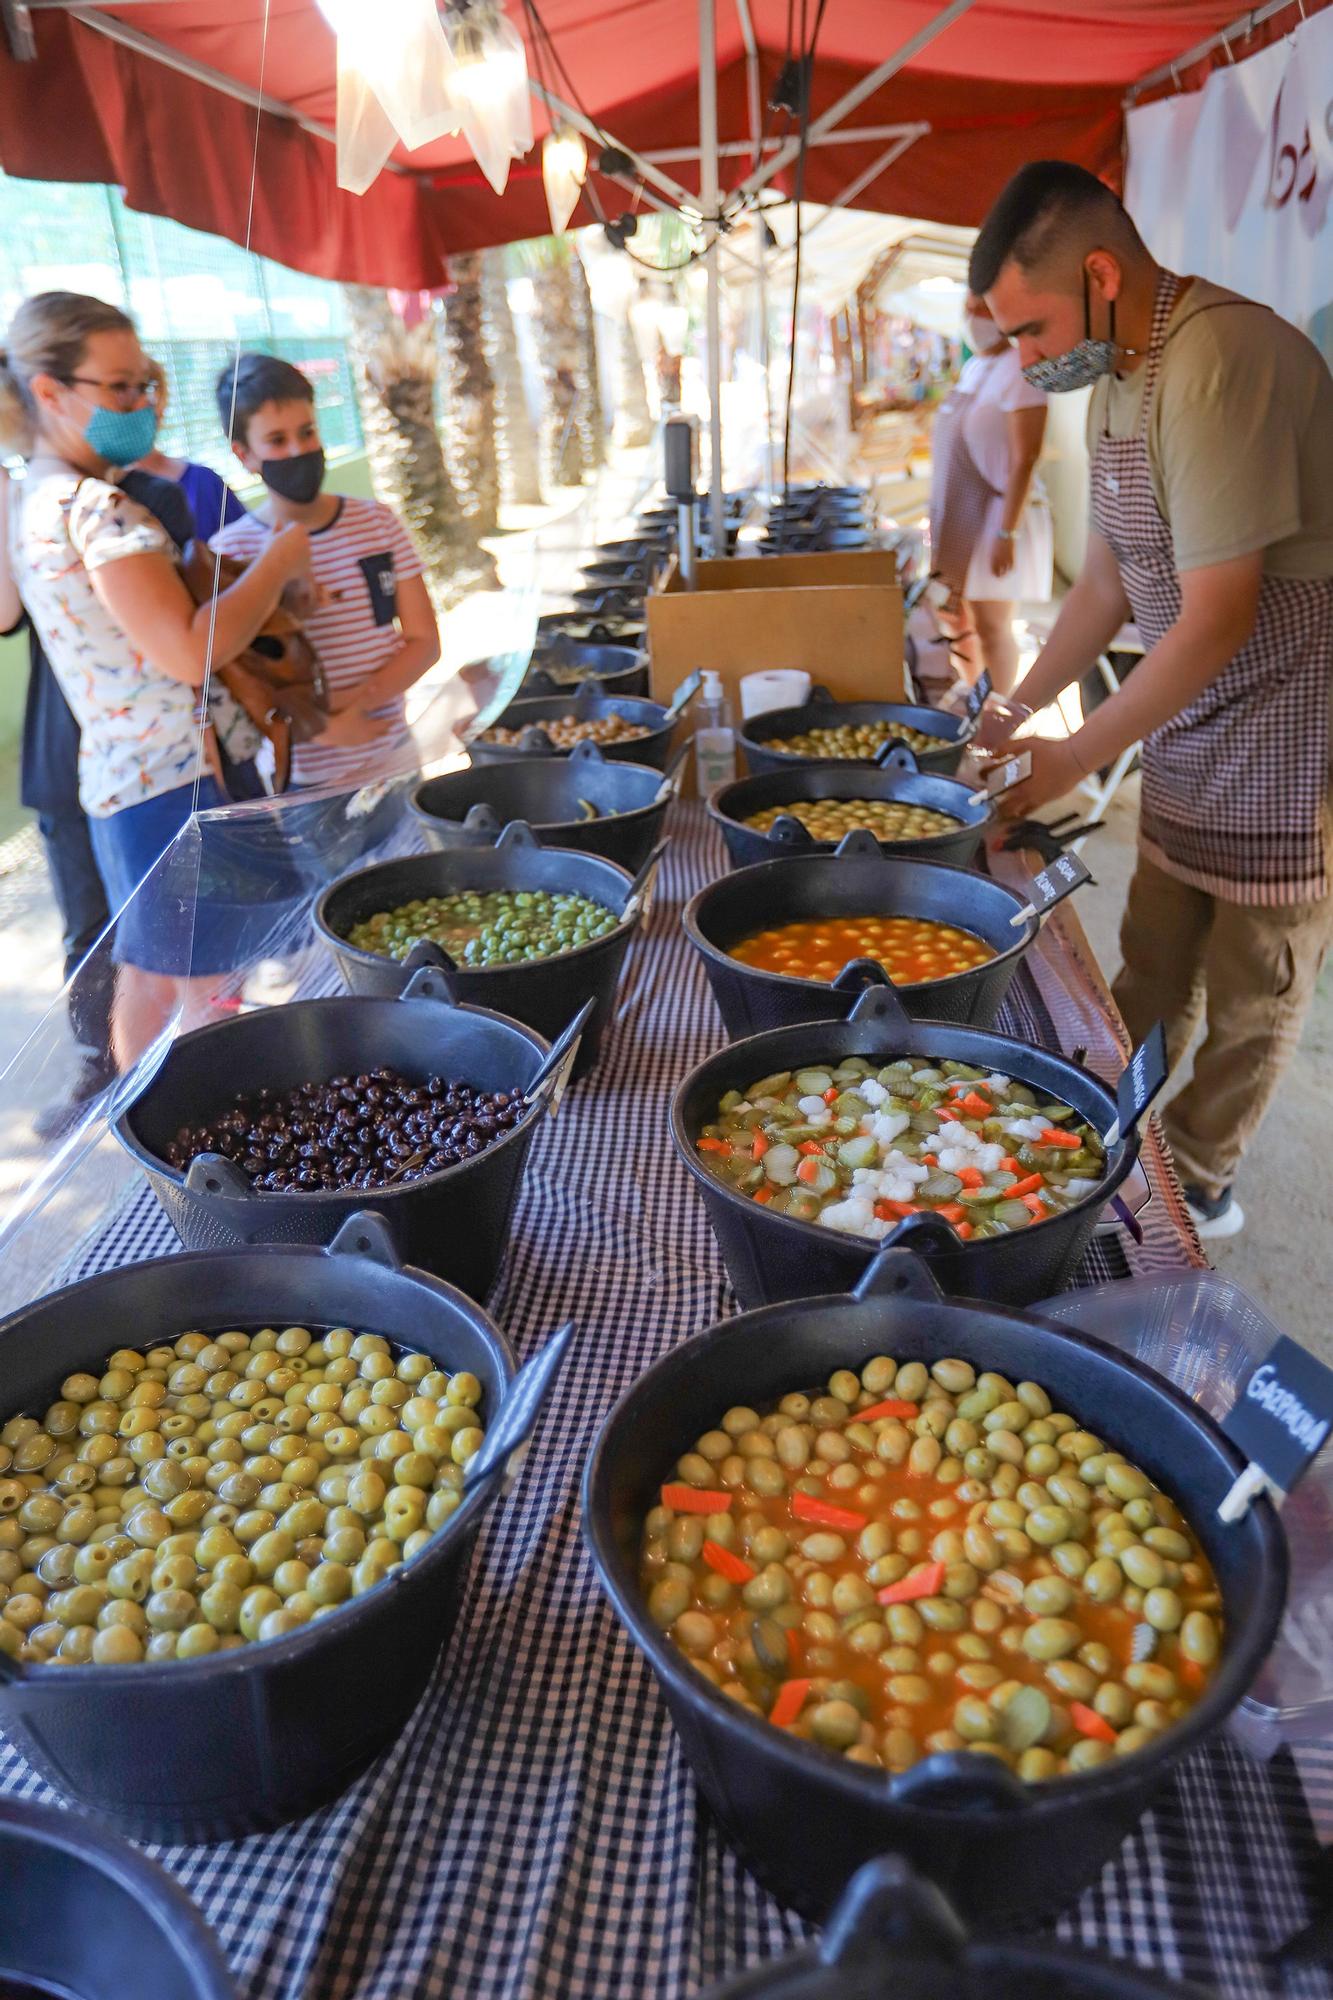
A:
[296,479]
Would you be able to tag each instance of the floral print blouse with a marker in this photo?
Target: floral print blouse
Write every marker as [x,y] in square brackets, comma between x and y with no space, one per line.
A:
[139,732]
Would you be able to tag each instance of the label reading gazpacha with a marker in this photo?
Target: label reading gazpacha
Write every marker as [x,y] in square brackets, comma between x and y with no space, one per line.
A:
[1284,1413]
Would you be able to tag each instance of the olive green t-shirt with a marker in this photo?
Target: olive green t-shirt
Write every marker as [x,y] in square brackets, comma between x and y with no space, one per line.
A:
[1240,436]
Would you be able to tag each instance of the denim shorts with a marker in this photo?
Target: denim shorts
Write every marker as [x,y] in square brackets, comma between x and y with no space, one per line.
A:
[193,907]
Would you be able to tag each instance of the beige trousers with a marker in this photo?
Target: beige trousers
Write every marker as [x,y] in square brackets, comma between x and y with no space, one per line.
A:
[1250,973]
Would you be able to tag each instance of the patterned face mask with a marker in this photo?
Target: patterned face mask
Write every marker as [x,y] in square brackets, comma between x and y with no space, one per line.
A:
[1083,364]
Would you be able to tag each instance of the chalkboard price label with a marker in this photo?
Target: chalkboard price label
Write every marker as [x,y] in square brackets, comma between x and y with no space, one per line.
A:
[1140,1080]
[977,696]
[1003,777]
[1284,1413]
[1056,881]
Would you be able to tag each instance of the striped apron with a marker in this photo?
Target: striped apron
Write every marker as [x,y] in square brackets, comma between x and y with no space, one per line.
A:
[1234,786]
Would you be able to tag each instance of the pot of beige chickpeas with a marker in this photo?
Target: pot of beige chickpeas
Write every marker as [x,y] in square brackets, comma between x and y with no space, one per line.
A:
[928,1577]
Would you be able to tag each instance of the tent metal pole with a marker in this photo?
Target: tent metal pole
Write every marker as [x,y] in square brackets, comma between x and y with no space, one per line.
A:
[1237,30]
[675,193]
[731,149]
[754,97]
[708,202]
[849,101]
[871,174]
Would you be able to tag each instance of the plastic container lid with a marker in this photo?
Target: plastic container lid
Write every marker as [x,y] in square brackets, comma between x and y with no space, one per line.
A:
[1207,1336]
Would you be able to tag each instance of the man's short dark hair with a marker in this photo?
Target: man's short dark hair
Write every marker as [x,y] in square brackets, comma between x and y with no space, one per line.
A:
[244,386]
[1045,203]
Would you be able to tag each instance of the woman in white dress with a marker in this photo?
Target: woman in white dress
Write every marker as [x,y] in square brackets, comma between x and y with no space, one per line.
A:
[990,525]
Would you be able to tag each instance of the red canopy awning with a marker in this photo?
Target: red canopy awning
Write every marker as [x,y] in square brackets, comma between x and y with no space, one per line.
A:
[1009,81]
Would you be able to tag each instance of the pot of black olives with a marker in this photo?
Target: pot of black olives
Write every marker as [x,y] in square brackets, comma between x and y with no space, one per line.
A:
[416,1107]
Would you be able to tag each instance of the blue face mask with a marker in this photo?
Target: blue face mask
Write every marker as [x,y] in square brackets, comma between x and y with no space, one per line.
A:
[121,436]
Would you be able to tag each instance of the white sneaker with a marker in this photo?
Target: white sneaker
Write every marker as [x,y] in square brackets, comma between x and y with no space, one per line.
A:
[1214,1216]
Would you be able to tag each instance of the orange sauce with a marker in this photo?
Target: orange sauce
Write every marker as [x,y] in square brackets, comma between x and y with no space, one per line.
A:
[911,949]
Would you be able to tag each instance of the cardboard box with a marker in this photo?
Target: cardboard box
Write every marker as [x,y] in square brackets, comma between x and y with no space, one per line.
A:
[837,616]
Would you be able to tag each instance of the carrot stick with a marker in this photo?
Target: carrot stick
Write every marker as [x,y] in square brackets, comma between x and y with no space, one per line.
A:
[963,1229]
[763,1196]
[727,1563]
[807,1508]
[760,1146]
[1050,1137]
[789,1703]
[952,1211]
[1088,1723]
[694,1500]
[894,1211]
[891,1408]
[1035,1204]
[1009,1165]
[808,1146]
[1028,1186]
[924,1582]
[714,1146]
[971,1177]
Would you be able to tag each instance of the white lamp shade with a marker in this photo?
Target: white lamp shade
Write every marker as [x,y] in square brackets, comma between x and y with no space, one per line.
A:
[564,170]
[488,88]
[393,71]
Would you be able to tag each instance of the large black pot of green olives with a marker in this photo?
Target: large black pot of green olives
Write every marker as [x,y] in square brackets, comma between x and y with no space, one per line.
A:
[529,930]
[805,1817]
[228,1177]
[783,738]
[221,1743]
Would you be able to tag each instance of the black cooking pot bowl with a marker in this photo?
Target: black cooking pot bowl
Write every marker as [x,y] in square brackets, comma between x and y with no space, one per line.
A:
[805,1820]
[771,1257]
[84,1915]
[454,1223]
[616,572]
[899,778]
[806,540]
[611,600]
[470,808]
[584,628]
[544,990]
[236,1742]
[563,667]
[893,1933]
[822,712]
[856,879]
[589,705]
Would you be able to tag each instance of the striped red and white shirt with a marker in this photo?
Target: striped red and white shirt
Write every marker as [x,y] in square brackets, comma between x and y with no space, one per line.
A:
[358,559]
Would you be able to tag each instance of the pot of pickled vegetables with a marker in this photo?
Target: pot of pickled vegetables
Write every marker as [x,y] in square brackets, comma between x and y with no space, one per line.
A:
[586,801]
[776,938]
[532,931]
[909,812]
[623,727]
[823,729]
[243,1626]
[929,1578]
[984,1151]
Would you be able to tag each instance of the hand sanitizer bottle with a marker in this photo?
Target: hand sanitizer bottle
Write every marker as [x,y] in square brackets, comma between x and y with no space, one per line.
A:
[714,737]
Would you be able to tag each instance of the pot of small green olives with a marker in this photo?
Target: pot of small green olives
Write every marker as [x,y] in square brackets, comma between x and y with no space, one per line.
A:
[531,931]
[239,1738]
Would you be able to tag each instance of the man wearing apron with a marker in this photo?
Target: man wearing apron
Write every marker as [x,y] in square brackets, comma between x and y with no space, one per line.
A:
[1211,439]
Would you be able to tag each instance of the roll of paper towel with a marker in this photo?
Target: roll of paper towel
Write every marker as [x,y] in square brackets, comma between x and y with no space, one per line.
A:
[780,687]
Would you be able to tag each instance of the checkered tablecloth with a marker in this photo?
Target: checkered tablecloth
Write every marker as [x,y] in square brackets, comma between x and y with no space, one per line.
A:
[535,1831]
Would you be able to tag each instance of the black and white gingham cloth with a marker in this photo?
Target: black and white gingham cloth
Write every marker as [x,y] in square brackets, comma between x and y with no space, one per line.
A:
[535,1831]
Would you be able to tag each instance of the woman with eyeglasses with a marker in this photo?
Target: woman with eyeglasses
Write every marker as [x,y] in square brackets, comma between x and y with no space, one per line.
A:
[100,578]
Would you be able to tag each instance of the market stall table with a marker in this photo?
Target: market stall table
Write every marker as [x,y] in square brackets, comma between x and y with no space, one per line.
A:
[535,1831]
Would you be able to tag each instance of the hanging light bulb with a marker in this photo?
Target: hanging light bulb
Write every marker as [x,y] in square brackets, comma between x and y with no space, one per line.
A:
[393,66]
[564,170]
[488,86]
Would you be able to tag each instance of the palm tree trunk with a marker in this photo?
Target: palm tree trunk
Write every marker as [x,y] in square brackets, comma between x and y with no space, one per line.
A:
[591,416]
[561,347]
[469,397]
[516,447]
[634,417]
[396,368]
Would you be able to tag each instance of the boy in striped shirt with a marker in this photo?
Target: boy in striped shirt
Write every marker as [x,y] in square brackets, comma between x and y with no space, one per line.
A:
[375,629]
